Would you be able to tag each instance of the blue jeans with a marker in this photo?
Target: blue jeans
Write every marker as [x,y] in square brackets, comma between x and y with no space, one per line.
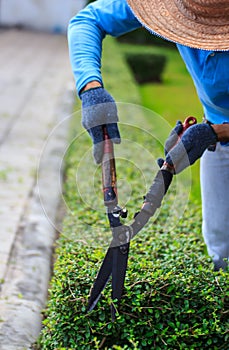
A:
[214,177]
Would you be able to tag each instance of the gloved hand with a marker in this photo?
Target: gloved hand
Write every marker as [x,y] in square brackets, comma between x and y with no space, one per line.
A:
[195,140]
[171,140]
[98,109]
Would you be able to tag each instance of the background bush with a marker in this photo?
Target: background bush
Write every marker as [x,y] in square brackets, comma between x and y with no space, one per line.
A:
[142,36]
[146,67]
[172,299]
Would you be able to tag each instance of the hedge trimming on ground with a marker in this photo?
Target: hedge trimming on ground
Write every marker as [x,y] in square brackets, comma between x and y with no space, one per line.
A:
[146,67]
[172,299]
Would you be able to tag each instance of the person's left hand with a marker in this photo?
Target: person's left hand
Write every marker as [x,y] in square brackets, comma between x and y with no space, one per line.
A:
[99,109]
[191,146]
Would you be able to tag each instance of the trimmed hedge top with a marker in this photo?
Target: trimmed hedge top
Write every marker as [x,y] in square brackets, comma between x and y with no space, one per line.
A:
[172,298]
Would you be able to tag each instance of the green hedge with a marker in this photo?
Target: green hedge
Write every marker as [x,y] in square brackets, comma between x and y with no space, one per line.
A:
[146,67]
[172,299]
[142,36]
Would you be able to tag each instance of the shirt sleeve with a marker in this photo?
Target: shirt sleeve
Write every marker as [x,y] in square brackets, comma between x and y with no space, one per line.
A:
[86,32]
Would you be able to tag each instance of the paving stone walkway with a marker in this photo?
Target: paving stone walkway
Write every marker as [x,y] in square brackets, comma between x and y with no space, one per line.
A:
[36,93]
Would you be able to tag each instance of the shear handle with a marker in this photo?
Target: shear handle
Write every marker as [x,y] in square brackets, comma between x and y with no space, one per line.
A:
[109,181]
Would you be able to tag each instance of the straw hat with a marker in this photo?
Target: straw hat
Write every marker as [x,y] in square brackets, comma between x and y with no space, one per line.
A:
[202,24]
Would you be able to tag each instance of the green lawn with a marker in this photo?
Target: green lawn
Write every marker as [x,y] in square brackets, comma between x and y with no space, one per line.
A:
[174,99]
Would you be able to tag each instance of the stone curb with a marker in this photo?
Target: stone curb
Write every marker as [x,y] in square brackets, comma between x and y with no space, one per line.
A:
[24,292]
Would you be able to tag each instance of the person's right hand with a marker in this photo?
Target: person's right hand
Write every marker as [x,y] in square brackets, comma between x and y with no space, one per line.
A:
[183,152]
[171,141]
[99,109]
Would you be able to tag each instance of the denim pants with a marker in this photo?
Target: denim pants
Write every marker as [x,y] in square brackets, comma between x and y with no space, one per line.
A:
[214,177]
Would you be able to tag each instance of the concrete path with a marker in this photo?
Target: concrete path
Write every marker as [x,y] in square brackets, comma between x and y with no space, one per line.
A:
[36,93]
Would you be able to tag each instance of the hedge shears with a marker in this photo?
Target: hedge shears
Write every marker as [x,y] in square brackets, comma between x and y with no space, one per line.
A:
[115,262]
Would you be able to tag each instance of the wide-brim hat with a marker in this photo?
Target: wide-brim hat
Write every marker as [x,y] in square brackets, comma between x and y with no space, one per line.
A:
[202,24]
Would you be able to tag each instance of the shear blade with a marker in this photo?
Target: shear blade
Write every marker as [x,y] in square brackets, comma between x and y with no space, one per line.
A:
[101,280]
[120,259]
[119,271]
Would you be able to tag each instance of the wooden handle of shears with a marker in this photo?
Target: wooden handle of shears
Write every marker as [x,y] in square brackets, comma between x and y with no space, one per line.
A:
[189,121]
[109,181]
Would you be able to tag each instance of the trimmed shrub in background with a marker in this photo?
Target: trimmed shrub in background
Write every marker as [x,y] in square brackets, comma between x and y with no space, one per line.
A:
[142,36]
[146,67]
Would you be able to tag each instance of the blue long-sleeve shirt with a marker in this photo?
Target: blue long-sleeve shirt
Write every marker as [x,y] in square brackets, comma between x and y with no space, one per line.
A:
[208,69]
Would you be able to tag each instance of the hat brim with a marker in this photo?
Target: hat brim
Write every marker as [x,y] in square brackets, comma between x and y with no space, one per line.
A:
[164,19]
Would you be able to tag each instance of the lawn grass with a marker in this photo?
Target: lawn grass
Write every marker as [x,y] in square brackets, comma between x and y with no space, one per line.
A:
[174,99]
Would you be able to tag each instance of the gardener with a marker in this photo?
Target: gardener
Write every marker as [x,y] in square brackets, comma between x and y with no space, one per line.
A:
[200,29]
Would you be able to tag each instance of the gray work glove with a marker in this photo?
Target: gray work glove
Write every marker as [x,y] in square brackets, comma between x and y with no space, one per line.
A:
[194,141]
[99,109]
[171,140]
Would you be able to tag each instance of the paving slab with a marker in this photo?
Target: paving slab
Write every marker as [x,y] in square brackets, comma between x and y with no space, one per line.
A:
[36,93]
